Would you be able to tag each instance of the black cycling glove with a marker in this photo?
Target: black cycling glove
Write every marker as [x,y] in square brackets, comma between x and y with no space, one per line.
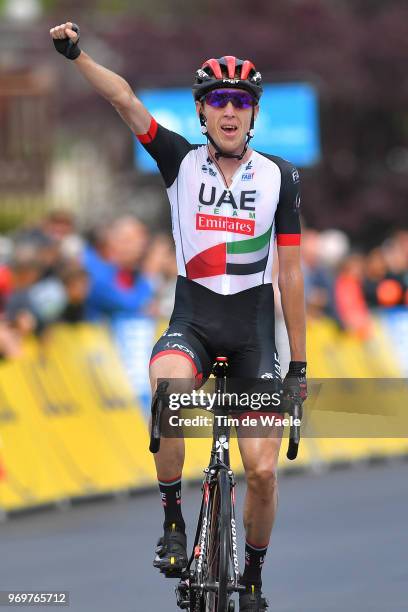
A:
[67,47]
[295,384]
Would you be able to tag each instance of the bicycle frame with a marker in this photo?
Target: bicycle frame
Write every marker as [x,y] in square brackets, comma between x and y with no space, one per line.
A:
[189,593]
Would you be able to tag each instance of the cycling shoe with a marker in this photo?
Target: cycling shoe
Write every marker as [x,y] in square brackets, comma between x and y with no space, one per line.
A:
[171,553]
[252,601]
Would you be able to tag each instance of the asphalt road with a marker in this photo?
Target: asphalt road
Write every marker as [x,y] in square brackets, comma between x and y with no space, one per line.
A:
[340,544]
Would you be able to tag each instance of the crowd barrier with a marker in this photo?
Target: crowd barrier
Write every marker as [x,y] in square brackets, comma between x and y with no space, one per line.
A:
[73,409]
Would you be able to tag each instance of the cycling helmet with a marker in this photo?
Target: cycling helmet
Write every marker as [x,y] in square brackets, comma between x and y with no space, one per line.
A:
[229,72]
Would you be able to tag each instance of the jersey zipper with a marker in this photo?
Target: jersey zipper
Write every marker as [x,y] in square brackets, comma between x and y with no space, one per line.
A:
[226,279]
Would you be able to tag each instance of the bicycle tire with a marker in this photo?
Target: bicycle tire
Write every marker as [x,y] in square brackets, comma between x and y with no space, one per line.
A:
[209,597]
[224,535]
[219,545]
[205,601]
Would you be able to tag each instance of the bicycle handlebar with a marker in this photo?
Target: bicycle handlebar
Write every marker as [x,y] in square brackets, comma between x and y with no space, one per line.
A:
[294,434]
[159,403]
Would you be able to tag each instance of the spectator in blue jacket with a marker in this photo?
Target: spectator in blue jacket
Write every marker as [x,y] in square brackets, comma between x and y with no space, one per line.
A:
[117,288]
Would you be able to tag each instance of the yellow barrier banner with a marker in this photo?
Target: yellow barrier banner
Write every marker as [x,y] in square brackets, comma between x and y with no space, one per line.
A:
[69,423]
[333,353]
[72,426]
[33,471]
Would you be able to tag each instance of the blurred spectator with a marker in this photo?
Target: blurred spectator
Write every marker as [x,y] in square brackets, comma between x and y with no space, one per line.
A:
[26,271]
[392,291]
[318,281]
[6,285]
[76,284]
[334,246]
[10,345]
[375,270]
[10,341]
[127,242]
[35,301]
[395,258]
[117,287]
[72,248]
[349,297]
[386,273]
[160,264]
[51,273]
[48,255]
[401,241]
[6,249]
[58,224]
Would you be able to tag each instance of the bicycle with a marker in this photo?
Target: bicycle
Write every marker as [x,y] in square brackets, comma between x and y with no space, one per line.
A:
[212,573]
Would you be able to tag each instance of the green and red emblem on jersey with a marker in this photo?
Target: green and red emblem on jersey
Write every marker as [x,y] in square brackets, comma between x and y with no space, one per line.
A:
[239,257]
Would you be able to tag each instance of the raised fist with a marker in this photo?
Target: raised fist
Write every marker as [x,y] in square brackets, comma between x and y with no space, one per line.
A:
[65,38]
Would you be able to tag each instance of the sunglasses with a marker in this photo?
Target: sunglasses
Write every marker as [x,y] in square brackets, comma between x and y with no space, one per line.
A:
[219,98]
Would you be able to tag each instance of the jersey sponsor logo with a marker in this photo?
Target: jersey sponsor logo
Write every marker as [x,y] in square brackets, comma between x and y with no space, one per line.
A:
[246,198]
[247,176]
[295,176]
[248,166]
[225,224]
[174,334]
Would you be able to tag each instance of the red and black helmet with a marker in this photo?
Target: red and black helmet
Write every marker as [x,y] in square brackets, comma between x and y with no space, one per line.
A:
[229,72]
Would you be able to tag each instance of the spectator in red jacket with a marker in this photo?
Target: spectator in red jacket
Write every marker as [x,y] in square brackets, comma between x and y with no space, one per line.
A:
[350,303]
[6,284]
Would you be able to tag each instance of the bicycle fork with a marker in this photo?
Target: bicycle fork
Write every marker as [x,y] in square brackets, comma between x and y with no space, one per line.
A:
[193,580]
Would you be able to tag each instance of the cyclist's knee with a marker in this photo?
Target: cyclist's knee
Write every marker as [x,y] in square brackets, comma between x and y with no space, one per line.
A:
[262,481]
[176,369]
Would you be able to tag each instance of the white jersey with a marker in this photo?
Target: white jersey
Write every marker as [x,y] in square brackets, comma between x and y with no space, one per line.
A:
[224,236]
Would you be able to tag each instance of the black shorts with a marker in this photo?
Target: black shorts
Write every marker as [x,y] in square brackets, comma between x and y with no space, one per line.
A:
[205,324]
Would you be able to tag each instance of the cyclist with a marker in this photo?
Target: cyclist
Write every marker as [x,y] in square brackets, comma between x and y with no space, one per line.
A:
[228,204]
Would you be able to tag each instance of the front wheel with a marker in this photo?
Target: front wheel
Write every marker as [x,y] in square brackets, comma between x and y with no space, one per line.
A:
[219,545]
[225,533]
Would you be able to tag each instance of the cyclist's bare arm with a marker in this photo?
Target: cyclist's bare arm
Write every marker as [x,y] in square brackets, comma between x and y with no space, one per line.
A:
[111,86]
[290,281]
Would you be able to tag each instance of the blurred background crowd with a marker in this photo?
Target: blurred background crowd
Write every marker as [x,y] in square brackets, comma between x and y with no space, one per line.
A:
[84,234]
[51,272]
